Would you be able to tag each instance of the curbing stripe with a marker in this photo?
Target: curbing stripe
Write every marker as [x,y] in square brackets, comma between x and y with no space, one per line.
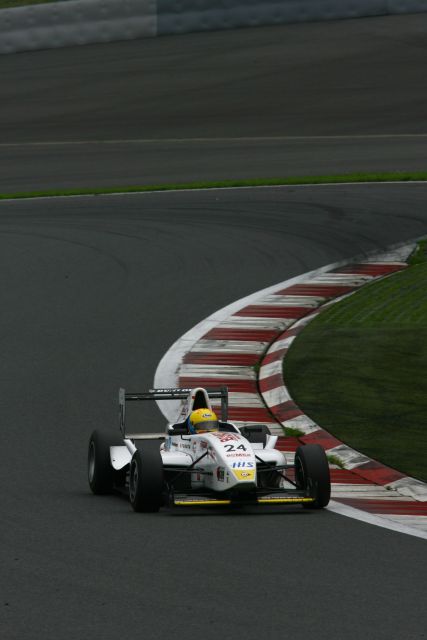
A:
[230,346]
[225,347]
[225,333]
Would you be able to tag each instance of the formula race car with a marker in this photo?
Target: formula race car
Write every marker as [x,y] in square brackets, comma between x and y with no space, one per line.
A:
[223,466]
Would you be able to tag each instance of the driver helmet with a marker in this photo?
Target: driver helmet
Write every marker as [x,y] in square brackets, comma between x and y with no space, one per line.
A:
[202,421]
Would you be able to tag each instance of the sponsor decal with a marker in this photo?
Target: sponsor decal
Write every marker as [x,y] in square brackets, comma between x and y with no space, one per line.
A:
[172,390]
[232,447]
[220,472]
[244,475]
[243,463]
[225,436]
[238,455]
[203,444]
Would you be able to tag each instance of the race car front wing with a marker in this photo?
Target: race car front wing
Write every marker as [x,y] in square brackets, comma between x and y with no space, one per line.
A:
[276,498]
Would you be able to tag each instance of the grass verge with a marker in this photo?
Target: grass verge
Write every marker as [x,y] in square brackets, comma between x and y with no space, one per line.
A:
[223,184]
[290,432]
[360,369]
[336,461]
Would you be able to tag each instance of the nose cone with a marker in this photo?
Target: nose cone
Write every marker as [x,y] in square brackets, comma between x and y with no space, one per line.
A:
[233,452]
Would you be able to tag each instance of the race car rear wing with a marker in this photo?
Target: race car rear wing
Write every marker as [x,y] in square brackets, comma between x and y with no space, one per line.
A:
[166,394]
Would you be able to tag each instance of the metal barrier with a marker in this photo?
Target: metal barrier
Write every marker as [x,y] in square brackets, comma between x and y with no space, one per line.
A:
[60,24]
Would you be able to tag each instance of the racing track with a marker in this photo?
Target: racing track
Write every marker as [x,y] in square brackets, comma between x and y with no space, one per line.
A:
[94,290]
[290,100]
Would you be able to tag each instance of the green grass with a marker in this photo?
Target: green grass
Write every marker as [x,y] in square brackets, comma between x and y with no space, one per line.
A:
[420,254]
[336,461]
[261,182]
[360,369]
[10,4]
[290,432]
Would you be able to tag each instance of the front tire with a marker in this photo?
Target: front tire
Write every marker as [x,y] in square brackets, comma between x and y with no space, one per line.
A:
[312,474]
[146,481]
[100,472]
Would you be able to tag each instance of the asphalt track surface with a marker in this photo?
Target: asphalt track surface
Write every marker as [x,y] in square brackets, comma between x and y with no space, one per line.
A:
[94,290]
[298,99]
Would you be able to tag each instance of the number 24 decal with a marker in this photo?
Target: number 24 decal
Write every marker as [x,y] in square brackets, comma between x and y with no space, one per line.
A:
[231,447]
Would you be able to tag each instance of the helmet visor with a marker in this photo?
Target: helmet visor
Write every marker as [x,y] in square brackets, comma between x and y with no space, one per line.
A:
[207,425]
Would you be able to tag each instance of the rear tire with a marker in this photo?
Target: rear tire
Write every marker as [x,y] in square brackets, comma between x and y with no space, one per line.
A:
[312,473]
[146,482]
[101,474]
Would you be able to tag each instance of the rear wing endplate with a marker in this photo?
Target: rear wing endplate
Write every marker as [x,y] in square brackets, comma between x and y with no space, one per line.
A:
[166,394]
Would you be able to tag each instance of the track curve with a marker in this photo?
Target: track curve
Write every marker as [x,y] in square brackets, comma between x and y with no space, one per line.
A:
[93,299]
[94,290]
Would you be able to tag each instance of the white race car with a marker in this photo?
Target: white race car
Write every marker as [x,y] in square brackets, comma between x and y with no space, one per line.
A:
[230,466]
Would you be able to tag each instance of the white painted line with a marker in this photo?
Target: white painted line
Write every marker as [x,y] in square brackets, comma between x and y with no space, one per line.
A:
[370,518]
[419,522]
[160,191]
[365,491]
[160,141]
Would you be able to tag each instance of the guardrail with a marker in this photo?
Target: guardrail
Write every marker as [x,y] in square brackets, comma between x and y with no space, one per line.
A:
[76,22]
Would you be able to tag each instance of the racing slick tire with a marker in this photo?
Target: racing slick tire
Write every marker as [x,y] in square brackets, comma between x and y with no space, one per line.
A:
[312,473]
[101,474]
[146,482]
[256,433]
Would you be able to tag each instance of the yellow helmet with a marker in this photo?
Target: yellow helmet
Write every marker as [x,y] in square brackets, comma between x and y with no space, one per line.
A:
[202,420]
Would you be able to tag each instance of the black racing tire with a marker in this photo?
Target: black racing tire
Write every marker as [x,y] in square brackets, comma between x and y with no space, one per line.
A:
[256,433]
[146,481]
[101,474]
[312,473]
